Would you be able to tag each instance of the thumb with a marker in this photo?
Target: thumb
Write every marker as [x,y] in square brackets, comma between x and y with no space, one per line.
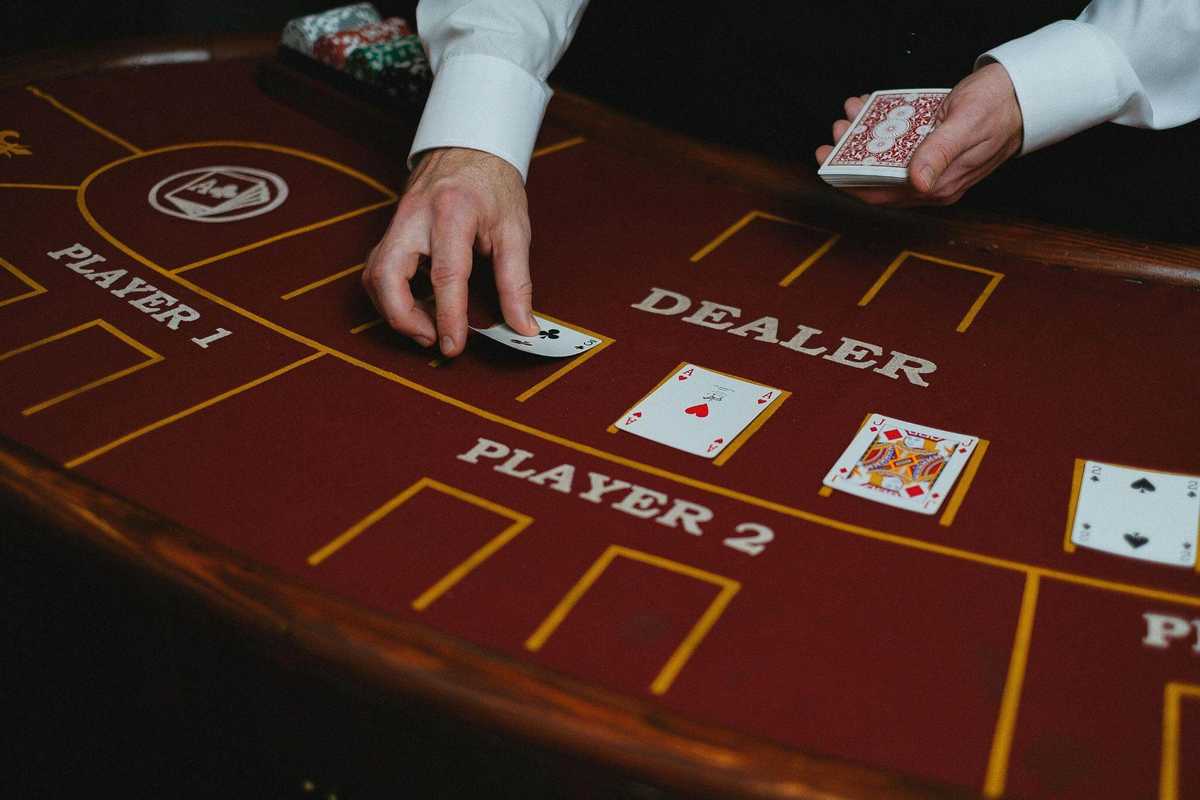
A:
[938,152]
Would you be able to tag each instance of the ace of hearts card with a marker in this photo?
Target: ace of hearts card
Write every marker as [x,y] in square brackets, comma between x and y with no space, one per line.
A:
[698,410]
[901,464]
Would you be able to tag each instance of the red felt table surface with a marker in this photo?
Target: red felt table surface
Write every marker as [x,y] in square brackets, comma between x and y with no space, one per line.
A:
[973,650]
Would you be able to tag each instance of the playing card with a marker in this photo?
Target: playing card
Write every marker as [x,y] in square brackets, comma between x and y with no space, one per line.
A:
[876,148]
[901,464]
[554,340]
[1139,513]
[697,410]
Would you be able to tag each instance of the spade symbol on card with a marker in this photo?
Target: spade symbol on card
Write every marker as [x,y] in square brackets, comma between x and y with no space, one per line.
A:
[1136,539]
[1142,485]
[698,410]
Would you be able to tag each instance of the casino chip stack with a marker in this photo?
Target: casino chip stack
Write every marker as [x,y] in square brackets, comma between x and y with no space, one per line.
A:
[381,55]
[302,33]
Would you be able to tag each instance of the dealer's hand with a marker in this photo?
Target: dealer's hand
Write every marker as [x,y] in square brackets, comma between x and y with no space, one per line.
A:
[979,128]
[457,202]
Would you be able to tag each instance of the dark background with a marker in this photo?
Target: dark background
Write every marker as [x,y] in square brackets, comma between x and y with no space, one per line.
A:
[769,77]
[115,684]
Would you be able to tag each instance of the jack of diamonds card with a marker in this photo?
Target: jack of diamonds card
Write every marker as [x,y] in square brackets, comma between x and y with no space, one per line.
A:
[901,464]
[1138,513]
[698,411]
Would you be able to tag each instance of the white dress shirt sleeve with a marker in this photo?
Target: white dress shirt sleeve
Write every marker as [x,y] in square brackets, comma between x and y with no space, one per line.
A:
[490,61]
[1134,62]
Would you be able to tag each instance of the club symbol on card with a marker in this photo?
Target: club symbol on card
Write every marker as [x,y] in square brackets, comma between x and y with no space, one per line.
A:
[698,410]
[717,442]
[522,342]
[1142,485]
[550,334]
[1136,539]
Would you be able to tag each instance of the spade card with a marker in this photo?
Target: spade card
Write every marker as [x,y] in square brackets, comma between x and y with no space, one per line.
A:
[901,464]
[876,148]
[1138,513]
[698,411]
[554,340]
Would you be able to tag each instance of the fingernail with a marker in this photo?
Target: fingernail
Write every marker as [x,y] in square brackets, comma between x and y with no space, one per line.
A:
[447,343]
[927,177]
[424,341]
[532,322]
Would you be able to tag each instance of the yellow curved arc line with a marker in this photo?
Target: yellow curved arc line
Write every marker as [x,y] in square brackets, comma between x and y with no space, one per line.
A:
[649,469]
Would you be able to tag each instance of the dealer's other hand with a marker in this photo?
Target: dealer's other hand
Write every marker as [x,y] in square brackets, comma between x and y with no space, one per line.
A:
[979,128]
[458,202]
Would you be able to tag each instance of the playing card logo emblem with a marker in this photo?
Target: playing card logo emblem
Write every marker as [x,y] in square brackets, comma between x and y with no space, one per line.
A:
[698,410]
[1142,485]
[218,193]
[1136,539]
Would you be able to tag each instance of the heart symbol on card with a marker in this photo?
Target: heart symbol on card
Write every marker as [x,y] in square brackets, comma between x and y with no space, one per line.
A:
[1136,539]
[700,410]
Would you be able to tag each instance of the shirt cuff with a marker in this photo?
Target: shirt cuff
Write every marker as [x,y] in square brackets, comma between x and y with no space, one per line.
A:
[1066,77]
[484,103]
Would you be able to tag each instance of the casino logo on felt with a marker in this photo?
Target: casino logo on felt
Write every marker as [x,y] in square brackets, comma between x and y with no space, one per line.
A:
[218,194]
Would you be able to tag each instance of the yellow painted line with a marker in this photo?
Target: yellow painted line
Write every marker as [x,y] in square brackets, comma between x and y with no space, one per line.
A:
[51,186]
[322,282]
[367,326]
[35,288]
[964,484]
[212,401]
[594,452]
[969,317]
[285,235]
[151,358]
[450,579]
[1173,696]
[666,676]
[1073,504]
[724,235]
[554,148]
[997,769]
[751,429]
[574,363]
[808,262]
[82,120]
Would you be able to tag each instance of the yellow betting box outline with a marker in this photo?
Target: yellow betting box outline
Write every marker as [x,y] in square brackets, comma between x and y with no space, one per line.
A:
[738,440]
[35,288]
[972,312]
[1174,694]
[1077,487]
[799,269]
[666,676]
[1030,571]
[519,522]
[151,358]
[82,120]
[317,284]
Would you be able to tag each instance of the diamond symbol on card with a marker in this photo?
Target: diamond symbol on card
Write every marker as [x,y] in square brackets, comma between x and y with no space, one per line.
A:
[892,434]
[914,491]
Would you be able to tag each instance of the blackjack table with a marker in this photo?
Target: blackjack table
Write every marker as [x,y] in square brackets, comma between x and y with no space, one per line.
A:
[196,386]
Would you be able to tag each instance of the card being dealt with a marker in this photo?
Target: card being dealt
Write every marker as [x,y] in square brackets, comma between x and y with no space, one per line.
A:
[1139,513]
[902,464]
[698,411]
[876,148]
[554,340]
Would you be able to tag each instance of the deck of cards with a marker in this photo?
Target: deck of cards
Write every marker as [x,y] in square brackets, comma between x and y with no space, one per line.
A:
[876,148]
[901,464]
